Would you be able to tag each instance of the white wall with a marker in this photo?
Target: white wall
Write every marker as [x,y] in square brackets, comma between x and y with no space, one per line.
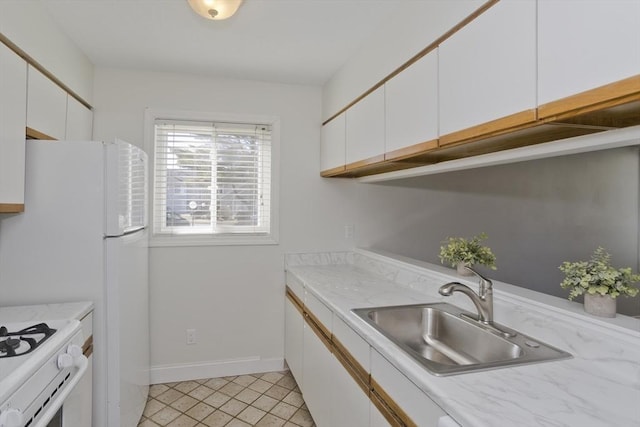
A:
[232,295]
[27,24]
[537,215]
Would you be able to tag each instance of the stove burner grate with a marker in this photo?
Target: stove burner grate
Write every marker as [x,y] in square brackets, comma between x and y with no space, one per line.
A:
[33,336]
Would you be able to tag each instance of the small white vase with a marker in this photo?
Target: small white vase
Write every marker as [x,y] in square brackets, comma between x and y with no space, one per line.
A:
[600,305]
[460,268]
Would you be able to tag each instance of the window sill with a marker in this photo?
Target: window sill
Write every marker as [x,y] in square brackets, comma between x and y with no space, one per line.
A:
[208,240]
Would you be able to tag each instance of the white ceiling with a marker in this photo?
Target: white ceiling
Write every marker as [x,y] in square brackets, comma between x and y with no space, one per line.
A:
[287,41]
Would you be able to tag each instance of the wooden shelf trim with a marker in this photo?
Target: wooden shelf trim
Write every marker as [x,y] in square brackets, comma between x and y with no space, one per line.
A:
[333,172]
[36,134]
[499,126]
[35,64]
[392,412]
[613,94]
[408,152]
[11,207]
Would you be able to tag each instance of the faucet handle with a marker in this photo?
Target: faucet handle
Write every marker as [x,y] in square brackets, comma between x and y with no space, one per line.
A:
[485,284]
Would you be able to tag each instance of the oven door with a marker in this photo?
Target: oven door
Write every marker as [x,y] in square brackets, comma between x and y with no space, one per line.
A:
[77,406]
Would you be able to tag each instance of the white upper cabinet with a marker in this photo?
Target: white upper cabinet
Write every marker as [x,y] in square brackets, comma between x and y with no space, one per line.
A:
[79,126]
[365,128]
[487,70]
[411,102]
[13,108]
[584,44]
[46,106]
[332,144]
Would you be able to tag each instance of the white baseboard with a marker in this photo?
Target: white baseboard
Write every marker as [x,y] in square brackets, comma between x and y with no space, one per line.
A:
[220,368]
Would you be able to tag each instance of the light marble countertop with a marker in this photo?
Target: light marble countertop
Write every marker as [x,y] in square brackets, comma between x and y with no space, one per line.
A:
[598,387]
[43,312]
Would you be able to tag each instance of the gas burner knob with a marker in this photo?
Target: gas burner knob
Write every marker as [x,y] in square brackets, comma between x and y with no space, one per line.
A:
[65,360]
[74,350]
[11,417]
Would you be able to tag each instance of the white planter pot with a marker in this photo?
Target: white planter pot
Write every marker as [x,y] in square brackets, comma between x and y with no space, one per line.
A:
[460,268]
[600,305]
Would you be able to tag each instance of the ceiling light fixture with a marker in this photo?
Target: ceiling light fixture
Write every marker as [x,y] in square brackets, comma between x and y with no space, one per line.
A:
[216,10]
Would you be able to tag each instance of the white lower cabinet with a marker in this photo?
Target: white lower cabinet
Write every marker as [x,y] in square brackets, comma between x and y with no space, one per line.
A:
[376,419]
[336,369]
[293,341]
[416,405]
[319,367]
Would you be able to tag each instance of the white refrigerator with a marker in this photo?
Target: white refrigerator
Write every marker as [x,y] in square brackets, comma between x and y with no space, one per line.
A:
[82,237]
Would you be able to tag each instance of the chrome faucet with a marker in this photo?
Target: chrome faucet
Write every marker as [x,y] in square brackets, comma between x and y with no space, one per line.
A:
[483,300]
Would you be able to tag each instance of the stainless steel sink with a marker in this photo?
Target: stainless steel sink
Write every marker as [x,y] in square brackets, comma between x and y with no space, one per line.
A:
[448,340]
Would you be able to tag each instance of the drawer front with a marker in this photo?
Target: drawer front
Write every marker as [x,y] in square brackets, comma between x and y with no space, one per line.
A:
[295,285]
[319,312]
[408,398]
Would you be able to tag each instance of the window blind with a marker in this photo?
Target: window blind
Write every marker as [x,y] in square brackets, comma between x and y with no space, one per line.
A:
[212,178]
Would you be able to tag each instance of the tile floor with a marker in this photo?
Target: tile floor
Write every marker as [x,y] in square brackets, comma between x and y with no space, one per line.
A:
[270,399]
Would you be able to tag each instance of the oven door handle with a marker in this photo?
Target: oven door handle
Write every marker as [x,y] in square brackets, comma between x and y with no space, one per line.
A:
[82,363]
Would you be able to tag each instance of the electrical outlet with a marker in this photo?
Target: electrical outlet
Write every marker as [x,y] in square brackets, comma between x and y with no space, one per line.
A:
[191,336]
[348,231]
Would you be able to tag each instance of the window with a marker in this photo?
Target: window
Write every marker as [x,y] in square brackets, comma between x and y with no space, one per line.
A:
[212,182]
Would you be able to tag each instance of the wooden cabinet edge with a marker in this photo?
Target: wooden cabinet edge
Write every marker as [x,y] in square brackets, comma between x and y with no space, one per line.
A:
[360,164]
[35,134]
[388,407]
[87,347]
[499,126]
[616,93]
[332,172]
[412,150]
[351,365]
[297,303]
[319,330]
[11,207]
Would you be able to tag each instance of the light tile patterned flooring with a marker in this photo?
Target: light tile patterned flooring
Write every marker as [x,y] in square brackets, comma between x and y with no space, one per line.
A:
[270,399]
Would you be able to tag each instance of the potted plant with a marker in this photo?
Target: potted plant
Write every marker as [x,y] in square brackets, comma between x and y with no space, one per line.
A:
[600,283]
[461,252]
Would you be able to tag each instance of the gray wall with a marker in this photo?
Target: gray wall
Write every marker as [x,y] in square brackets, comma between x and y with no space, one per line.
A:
[537,214]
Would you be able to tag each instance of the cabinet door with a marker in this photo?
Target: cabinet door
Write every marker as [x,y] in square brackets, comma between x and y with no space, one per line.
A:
[332,144]
[377,419]
[487,70]
[411,107]
[46,106]
[584,44]
[319,365]
[365,128]
[79,126]
[416,405]
[13,107]
[351,399]
[293,341]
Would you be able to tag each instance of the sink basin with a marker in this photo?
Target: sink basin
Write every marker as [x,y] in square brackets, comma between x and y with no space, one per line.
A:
[448,340]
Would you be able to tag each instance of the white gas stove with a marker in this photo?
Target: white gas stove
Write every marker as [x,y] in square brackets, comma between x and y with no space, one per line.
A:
[40,363]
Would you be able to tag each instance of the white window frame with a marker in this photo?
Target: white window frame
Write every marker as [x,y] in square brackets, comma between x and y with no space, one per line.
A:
[209,239]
